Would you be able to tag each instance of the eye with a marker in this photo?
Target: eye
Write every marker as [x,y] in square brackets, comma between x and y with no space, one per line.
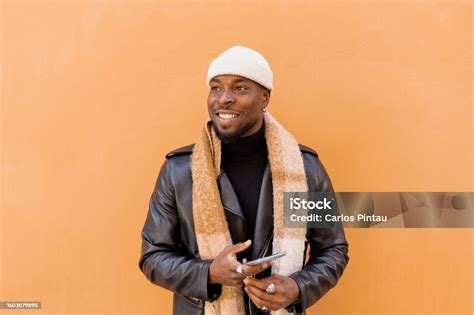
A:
[214,88]
[242,88]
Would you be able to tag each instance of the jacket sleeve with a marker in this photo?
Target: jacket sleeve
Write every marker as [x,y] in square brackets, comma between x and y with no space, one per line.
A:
[163,261]
[328,255]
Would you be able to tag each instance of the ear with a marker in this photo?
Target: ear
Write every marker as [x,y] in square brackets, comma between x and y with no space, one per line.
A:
[266,97]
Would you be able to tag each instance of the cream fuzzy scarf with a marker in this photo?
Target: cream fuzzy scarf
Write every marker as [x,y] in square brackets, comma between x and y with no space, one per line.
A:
[212,233]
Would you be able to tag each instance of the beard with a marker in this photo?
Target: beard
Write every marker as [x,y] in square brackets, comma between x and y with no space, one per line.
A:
[227,138]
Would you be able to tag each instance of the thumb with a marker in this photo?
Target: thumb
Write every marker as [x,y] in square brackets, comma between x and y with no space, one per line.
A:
[237,248]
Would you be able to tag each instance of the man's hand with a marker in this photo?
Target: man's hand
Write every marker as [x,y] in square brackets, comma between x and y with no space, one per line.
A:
[286,292]
[223,268]
[250,271]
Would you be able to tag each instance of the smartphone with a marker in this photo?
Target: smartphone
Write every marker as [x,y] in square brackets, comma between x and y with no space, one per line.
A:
[265,259]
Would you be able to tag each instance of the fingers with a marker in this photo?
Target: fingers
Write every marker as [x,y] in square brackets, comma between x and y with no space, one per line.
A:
[262,295]
[254,270]
[260,299]
[236,280]
[238,271]
[255,299]
[237,248]
[259,284]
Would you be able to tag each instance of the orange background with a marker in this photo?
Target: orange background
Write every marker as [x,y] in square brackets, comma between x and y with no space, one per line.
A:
[95,93]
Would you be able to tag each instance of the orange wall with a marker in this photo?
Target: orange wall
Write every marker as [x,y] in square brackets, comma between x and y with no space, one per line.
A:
[94,93]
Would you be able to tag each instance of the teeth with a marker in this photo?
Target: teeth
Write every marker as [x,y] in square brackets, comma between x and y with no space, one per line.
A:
[227,116]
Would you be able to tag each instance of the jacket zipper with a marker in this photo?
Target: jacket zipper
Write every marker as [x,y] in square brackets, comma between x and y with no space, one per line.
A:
[262,253]
[193,299]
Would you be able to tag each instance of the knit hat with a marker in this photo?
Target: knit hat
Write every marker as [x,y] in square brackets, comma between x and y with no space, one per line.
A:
[244,62]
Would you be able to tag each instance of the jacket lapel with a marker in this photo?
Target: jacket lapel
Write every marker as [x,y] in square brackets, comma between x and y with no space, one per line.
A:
[233,211]
[264,220]
[236,219]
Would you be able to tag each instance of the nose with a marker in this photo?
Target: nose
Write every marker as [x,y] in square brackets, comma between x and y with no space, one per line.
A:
[225,98]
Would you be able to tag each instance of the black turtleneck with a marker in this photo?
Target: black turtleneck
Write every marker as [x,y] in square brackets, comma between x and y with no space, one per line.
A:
[244,162]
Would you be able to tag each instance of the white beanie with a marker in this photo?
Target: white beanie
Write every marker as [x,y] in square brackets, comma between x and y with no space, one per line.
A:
[244,62]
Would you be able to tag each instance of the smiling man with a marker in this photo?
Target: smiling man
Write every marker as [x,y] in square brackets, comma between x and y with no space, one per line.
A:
[233,121]
[218,204]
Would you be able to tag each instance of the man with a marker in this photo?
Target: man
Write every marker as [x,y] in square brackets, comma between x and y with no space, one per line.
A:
[219,204]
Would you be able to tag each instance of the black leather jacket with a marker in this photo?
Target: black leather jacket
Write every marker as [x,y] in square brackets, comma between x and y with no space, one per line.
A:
[170,257]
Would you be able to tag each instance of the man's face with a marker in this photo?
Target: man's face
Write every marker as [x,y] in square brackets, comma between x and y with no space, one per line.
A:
[235,105]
